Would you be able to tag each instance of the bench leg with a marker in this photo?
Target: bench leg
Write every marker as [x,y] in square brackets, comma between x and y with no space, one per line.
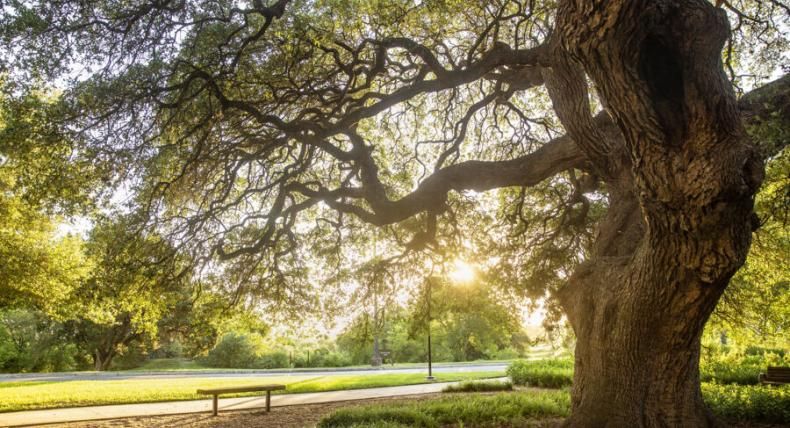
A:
[268,401]
[215,405]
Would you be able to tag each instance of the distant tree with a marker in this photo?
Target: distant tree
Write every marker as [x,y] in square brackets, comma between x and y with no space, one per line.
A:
[470,320]
[198,317]
[135,282]
[31,341]
[40,267]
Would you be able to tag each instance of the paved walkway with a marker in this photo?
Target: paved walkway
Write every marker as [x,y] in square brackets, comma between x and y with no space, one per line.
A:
[51,416]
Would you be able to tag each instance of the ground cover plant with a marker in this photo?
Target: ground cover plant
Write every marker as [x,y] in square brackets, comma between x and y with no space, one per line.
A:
[29,395]
[548,373]
[504,409]
[479,386]
[742,367]
[732,402]
[763,403]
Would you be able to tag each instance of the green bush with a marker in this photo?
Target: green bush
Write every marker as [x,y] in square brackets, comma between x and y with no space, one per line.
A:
[272,360]
[8,349]
[549,373]
[734,369]
[506,354]
[761,403]
[334,359]
[759,350]
[130,357]
[742,368]
[472,386]
[173,349]
[323,357]
[235,350]
[31,342]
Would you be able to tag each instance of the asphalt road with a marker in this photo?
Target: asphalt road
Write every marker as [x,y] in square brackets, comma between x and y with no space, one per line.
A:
[437,368]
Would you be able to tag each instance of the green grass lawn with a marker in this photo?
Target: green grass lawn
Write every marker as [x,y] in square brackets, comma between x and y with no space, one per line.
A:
[43,395]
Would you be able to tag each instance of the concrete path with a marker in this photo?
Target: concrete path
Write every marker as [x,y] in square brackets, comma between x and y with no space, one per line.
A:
[69,376]
[74,414]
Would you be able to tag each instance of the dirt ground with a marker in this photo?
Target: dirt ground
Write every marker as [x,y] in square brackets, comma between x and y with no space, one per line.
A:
[288,417]
[279,417]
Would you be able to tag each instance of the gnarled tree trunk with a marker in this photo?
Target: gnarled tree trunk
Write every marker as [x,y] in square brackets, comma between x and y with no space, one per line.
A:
[681,176]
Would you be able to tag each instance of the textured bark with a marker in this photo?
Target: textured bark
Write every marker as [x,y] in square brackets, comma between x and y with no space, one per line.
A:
[681,180]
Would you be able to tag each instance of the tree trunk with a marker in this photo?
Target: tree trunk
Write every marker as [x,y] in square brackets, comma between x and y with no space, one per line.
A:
[375,360]
[102,360]
[681,181]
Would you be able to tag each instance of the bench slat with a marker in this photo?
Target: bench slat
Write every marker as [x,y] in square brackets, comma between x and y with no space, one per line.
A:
[231,390]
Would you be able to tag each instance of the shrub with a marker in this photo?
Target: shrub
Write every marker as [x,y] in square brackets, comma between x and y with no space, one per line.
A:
[479,386]
[173,349]
[335,359]
[235,350]
[549,373]
[759,350]
[380,424]
[130,357]
[505,354]
[740,368]
[7,348]
[31,342]
[369,416]
[272,360]
[754,403]
[731,369]
[323,358]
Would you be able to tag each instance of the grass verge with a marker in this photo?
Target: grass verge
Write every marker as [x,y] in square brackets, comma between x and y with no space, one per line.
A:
[15,396]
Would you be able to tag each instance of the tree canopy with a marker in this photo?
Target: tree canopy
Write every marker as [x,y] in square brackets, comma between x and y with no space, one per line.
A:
[247,129]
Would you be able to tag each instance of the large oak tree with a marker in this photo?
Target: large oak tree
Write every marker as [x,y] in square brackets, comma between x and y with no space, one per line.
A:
[242,126]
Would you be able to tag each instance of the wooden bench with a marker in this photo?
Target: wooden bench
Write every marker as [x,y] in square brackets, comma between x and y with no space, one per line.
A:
[232,390]
[776,376]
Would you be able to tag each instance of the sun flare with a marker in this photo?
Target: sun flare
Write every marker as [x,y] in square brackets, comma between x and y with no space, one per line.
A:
[462,272]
